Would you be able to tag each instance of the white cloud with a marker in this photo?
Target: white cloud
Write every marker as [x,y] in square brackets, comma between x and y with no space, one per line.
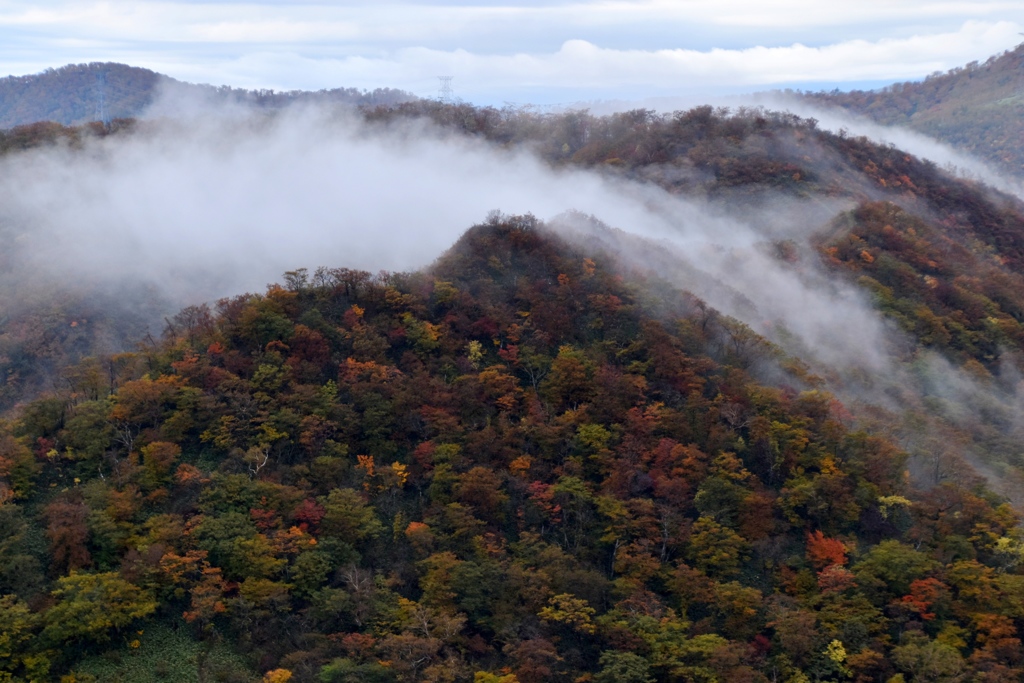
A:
[580,65]
[601,47]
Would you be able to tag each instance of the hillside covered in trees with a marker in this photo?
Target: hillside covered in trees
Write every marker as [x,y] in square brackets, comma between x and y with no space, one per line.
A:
[938,250]
[978,108]
[546,457]
[503,468]
[101,91]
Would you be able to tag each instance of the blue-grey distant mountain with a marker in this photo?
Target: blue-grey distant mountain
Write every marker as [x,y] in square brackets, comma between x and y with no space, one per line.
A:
[80,93]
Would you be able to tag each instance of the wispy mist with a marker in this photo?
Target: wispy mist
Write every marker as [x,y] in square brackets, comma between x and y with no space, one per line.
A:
[954,161]
[210,203]
[835,120]
[213,203]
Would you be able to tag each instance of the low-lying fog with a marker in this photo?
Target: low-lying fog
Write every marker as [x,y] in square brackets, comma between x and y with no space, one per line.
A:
[211,203]
[216,202]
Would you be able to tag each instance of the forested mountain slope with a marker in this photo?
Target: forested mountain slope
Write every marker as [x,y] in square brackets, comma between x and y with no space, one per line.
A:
[501,469]
[101,91]
[940,256]
[547,457]
[967,242]
[978,108]
[77,94]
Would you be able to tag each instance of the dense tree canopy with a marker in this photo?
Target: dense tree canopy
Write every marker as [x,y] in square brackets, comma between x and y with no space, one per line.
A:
[526,463]
[504,468]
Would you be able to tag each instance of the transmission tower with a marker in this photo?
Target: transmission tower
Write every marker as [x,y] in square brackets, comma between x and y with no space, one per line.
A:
[445,92]
[101,98]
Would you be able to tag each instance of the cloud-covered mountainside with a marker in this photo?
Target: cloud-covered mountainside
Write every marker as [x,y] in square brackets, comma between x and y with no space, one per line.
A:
[103,91]
[701,396]
[979,108]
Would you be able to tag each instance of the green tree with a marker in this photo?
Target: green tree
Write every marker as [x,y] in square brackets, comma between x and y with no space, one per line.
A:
[157,459]
[17,468]
[20,570]
[90,606]
[20,656]
[928,660]
[716,549]
[570,380]
[888,569]
[349,671]
[348,517]
[623,667]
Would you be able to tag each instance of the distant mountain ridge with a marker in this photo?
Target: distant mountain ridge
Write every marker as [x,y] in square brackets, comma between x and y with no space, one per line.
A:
[72,94]
[81,93]
[978,108]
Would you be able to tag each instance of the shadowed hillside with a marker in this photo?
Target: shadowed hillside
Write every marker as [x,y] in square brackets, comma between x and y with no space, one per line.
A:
[978,108]
[81,93]
[77,93]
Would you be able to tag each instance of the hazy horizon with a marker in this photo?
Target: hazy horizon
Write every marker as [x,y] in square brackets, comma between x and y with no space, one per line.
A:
[527,52]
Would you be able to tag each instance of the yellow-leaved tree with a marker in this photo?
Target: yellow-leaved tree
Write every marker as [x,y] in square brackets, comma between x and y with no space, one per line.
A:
[90,606]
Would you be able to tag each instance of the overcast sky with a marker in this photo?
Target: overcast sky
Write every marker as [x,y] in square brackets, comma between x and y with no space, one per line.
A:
[545,52]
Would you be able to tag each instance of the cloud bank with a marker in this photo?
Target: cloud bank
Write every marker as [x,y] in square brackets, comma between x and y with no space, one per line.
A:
[542,52]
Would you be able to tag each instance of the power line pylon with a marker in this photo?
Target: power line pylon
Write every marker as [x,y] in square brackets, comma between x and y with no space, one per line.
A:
[101,98]
[445,92]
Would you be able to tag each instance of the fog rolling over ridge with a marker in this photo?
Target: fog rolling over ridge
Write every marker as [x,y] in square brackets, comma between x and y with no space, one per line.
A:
[956,162]
[836,120]
[215,205]
[216,202]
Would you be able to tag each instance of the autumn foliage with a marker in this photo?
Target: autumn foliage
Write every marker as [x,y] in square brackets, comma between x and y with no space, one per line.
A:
[527,463]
